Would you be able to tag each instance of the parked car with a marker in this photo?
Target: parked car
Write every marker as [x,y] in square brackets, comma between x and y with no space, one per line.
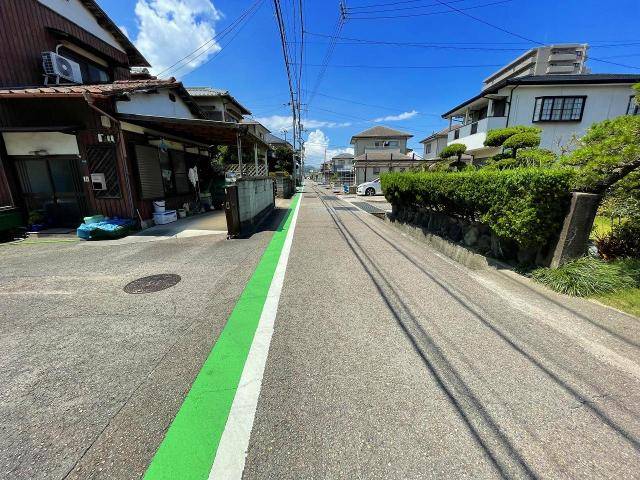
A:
[336,188]
[370,188]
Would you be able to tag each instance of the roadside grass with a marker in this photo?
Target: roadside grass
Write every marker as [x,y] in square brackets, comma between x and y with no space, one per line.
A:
[614,283]
[626,300]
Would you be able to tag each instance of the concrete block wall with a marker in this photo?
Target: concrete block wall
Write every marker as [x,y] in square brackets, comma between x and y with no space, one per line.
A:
[255,201]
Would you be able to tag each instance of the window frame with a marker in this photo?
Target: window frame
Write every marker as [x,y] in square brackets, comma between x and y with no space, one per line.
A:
[554,98]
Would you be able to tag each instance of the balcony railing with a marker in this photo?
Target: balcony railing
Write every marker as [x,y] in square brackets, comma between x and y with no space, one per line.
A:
[473,134]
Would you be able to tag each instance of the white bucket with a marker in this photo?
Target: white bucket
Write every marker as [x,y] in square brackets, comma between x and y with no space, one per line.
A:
[158,206]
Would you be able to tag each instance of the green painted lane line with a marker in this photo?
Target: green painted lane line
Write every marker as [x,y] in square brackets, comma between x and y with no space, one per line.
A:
[189,447]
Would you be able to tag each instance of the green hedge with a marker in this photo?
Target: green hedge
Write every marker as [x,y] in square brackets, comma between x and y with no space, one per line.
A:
[526,205]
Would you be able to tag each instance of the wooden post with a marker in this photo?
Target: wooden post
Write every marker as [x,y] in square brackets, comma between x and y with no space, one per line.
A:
[239,142]
[266,162]
[255,156]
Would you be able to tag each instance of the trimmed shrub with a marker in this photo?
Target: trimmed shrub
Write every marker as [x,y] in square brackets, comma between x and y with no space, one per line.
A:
[524,205]
[588,276]
[535,157]
[522,140]
[497,137]
[453,150]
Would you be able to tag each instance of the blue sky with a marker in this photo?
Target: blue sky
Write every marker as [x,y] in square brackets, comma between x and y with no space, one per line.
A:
[250,63]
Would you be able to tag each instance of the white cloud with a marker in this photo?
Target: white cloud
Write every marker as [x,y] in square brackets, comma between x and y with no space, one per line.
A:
[277,123]
[169,30]
[314,148]
[124,30]
[396,118]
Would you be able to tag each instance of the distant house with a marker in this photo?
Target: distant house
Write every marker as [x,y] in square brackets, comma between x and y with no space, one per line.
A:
[218,104]
[435,143]
[548,91]
[275,142]
[381,149]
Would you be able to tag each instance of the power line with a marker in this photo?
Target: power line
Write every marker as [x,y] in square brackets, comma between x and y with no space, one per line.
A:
[241,27]
[358,10]
[363,41]
[400,67]
[499,2]
[371,105]
[212,41]
[330,49]
[605,43]
[358,7]
[522,37]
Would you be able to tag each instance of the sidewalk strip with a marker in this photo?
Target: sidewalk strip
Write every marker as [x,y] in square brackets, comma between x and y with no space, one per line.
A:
[200,431]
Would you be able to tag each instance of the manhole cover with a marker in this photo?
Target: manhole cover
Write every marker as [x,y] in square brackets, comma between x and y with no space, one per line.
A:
[152,283]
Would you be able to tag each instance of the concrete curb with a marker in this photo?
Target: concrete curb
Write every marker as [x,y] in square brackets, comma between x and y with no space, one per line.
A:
[454,251]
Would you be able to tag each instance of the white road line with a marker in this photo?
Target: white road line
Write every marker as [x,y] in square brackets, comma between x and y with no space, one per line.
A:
[234,443]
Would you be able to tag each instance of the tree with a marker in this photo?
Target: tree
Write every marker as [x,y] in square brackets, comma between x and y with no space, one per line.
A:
[454,150]
[497,137]
[535,157]
[608,153]
[281,160]
[521,140]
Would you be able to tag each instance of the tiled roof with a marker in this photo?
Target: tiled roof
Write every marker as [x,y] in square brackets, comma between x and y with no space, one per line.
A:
[203,92]
[385,156]
[380,131]
[273,140]
[207,92]
[107,89]
[344,155]
[441,133]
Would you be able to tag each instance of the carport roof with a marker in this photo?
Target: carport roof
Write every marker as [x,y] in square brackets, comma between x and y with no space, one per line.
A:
[205,131]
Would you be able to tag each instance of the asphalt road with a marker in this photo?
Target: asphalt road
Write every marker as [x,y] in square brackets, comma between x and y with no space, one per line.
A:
[390,361]
[90,376]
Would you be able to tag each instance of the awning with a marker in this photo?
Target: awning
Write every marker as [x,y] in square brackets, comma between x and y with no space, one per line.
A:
[203,131]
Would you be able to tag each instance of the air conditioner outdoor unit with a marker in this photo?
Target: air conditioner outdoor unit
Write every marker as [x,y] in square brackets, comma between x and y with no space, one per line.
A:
[58,66]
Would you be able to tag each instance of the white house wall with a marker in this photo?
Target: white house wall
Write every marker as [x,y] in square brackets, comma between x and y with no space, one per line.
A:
[362,145]
[155,104]
[602,102]
[75,12]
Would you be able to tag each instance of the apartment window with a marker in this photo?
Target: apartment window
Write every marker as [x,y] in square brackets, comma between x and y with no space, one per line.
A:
[558,109]
[633,108]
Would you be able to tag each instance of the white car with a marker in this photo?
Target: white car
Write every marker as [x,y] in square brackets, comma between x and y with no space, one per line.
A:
[370,188]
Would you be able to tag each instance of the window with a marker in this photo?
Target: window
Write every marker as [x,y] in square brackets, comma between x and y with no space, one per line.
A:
[456,134]
[428,148]
[633,108]
[376,171]
[499,107]
[388,143]
[558,109]
[91,71]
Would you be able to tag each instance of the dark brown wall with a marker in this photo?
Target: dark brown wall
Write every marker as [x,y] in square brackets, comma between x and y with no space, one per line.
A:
[25,34]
